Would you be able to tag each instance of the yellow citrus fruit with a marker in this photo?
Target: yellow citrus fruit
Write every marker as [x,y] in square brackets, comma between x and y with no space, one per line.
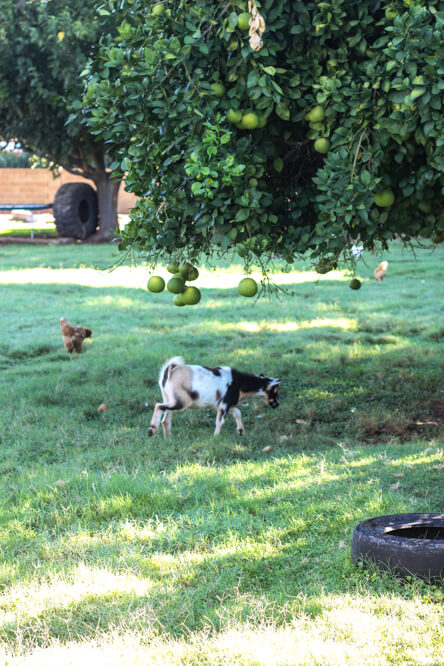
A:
[61,36]
[322,145]
[243,20]
[156,284]
[355,284]
[234,116]
[178,300]
[186,270]
[250,121]
[247,287]
[158,9]
[262,120]
[384,198]
[193,274]
[218,89]
[316,114]
[191,296]
[173,267]
[176,285]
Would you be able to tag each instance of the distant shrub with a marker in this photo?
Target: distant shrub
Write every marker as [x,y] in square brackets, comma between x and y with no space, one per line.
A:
[12,160]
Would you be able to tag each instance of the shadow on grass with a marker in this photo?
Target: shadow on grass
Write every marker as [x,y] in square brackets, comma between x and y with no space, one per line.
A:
[218,528]
[206,545]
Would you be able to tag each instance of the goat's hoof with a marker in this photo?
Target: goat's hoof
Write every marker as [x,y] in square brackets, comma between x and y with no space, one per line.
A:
[150,432]
[240,432]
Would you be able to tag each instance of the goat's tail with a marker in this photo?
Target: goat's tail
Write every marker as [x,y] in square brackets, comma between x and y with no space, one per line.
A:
[168,366]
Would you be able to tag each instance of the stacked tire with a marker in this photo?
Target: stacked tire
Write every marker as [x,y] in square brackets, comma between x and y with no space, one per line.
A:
[75,210]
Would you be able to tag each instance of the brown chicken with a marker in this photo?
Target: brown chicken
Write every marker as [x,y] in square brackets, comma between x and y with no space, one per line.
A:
[379,272]
[73,336]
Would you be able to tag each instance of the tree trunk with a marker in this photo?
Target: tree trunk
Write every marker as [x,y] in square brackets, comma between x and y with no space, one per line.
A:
[107,195]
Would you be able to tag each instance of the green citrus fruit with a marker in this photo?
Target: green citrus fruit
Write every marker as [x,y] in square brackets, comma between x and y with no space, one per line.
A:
[247,287]
[173,267]
[355,284]
[322,145]
[186,270]
[316,114]
[250,121]
[158,9]
[191,296]
[176,285]
[218,89]
[156,284]
[252,182]
[243,20]
[325,266]
[262,120]
[193,274]
[234,116]
[384,198]
[278,164]
[178,300]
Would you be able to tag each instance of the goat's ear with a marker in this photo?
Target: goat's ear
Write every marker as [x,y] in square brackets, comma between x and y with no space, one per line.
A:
[276,381]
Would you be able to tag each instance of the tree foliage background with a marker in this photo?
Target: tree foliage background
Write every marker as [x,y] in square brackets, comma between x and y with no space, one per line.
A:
[206,184]
[45,47]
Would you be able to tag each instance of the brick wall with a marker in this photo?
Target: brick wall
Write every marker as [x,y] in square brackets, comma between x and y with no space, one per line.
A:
[34,186]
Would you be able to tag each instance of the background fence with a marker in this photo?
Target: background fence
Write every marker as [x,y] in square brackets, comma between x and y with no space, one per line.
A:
[34,186]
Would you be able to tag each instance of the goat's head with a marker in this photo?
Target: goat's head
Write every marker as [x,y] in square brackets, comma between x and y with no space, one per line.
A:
[271,392]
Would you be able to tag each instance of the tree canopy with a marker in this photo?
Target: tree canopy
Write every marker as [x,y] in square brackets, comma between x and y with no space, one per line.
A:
[45,46]
[331,133]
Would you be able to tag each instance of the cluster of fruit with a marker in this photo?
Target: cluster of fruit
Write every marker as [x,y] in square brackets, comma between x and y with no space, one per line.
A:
[384,198]
[317,115]
[184,294]
[247,120]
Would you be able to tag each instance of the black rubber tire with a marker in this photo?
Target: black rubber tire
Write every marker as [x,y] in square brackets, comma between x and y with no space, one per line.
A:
[75,210]
[380,540]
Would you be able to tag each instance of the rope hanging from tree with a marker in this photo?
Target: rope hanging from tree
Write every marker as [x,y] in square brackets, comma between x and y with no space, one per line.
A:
[257,26]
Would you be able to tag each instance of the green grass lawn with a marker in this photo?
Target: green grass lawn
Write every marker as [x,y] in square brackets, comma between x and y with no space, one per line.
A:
[203,550]
[26,232]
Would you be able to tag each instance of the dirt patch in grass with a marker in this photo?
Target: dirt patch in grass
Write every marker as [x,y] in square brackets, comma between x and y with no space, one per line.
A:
[377,426]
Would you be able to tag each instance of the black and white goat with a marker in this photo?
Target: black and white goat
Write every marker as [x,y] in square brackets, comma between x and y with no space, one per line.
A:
[220,388]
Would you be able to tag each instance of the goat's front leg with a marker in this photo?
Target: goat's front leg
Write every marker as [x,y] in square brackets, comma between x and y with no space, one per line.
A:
[237,415]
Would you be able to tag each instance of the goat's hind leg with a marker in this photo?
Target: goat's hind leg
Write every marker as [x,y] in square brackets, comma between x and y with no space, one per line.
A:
[159,409]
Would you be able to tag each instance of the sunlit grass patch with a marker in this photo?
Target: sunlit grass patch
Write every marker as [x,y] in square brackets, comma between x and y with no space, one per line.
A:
[199,549]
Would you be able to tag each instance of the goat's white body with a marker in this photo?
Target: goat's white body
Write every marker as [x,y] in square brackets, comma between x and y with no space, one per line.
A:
[185,386]
[209,387]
